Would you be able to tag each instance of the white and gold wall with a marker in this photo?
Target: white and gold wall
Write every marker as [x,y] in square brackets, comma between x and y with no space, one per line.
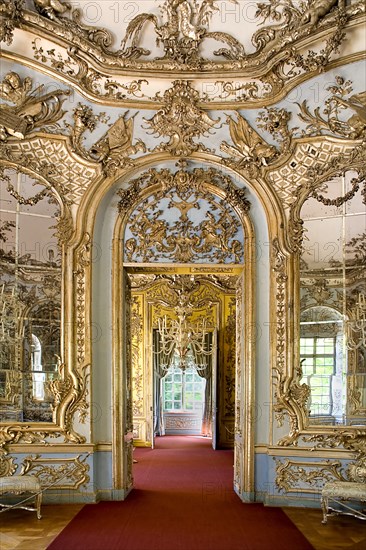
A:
[220,141]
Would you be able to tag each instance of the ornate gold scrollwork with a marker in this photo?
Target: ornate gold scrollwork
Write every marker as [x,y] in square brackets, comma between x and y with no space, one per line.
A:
[230,362]
[309,477]
[352,128]
[7,463]
[181,120]
[184,31]
[58,473]
[137,362]
[250,151]
[31,109]
[306,477]
[115,148]
[69,391]
[215,237]
[353,440]
[291,396]
[181,35]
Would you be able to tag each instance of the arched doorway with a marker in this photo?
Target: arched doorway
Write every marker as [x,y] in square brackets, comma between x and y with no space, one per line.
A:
[197,221]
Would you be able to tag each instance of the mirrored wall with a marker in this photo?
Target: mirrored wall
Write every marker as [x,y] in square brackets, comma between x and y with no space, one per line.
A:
[333,303]
[30,299]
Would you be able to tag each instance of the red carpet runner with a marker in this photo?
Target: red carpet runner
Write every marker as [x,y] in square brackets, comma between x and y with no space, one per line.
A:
[183,500]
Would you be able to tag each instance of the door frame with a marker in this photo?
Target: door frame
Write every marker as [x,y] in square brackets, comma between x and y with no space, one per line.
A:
[243,481]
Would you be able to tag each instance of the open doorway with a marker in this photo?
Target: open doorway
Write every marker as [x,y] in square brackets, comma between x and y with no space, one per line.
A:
[190,388]
[193,227]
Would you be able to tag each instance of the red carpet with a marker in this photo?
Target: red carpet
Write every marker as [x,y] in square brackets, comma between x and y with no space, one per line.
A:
[183,500]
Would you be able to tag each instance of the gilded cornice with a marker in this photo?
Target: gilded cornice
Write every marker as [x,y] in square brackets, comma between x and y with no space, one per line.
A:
[82,59]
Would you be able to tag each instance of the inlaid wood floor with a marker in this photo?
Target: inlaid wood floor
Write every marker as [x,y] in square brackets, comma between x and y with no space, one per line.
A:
[21,530]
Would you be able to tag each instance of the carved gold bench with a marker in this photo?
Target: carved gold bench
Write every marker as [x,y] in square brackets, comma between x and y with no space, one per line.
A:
[19,485]
[339,492]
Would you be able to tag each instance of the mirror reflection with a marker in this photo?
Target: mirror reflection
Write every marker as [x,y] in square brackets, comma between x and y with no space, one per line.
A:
[30,299]
[333,302]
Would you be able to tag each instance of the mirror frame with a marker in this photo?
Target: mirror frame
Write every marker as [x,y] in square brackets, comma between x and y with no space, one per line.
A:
[70,389]
[292,396]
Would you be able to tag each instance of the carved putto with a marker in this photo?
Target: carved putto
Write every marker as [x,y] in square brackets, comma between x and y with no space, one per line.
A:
[30,110]
[51,8]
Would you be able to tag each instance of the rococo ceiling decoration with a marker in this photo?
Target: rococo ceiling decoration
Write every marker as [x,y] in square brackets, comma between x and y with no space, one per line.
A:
[182,120]
[278,48]
[31,109]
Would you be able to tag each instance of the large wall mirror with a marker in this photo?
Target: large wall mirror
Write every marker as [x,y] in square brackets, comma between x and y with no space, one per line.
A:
[333,303]
[30,299]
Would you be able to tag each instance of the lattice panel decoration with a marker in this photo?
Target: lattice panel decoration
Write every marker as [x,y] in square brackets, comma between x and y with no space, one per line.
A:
[293,174]
[51,158]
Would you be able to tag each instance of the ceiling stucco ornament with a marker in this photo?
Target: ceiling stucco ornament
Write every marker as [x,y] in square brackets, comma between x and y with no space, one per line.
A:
[31,108]
[181,120]
[280,57]
[183,29]
[250,151]
[10,16]
[114,149]
[207,235]
[354,127]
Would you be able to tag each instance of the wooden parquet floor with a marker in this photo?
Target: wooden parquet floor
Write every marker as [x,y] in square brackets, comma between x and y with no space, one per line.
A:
[20,530]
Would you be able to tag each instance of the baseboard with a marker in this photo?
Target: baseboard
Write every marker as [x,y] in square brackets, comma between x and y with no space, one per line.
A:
[299,501]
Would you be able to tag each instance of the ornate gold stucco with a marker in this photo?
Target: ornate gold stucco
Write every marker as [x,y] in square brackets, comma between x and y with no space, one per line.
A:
[282,169]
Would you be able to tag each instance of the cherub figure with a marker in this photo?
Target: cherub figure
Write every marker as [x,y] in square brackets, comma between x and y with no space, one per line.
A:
[51,8]
[319,9]
[14,90]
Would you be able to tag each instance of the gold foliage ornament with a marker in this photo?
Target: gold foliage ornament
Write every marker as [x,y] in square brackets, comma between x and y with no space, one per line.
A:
[182,33]
[250,151]
[114,148]
[30,110]
[299,476]
[213,235]
[181,120]
[354,127]
[10,16]
[66,473]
